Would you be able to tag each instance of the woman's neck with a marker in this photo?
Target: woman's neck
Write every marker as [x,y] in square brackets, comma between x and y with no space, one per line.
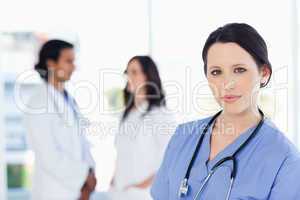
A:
[139,98]
[237,123]
[138,102]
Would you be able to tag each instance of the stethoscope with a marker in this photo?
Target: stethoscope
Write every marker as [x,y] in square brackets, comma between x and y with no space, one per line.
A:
[70,102]
[184,186]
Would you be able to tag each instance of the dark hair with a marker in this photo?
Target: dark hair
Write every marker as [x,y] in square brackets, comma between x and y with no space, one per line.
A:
[50,51]
[246,37]
[154,91]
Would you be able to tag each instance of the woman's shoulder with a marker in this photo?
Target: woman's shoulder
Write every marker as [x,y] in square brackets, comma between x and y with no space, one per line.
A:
[282,159]
[276,141]
[188,132]
[161,113]
[191,126]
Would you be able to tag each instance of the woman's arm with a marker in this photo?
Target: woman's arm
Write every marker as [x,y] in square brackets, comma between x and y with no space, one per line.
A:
[160,186]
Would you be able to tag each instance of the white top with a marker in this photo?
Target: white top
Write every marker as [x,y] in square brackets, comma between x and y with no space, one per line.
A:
[140,144]
[62,156]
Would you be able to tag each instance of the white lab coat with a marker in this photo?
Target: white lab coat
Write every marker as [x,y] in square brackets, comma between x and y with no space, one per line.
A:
[62,155]
[140,143]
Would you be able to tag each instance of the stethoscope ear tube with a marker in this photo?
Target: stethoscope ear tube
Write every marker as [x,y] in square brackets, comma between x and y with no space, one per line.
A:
[234,168]
[187,174]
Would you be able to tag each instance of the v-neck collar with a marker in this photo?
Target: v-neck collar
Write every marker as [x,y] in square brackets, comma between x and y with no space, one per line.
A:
[228,150]
[140,109]
[59,105]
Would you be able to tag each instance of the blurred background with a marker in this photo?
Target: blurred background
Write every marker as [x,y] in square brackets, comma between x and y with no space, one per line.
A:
[107,33]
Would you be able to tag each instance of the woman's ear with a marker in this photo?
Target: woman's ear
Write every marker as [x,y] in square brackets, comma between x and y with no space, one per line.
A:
[265,73]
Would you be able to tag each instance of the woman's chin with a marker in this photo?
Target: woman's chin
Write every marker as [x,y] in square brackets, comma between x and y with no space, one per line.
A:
[232,108]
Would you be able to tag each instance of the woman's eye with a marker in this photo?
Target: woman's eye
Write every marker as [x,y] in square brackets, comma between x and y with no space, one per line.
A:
[215,72]
[131,73]
[239,70]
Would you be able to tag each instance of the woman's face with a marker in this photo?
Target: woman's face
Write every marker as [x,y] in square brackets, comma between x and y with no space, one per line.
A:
[136,77]
[234,77]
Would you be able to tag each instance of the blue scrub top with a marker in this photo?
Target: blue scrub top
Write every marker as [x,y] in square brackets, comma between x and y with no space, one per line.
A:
[267,168]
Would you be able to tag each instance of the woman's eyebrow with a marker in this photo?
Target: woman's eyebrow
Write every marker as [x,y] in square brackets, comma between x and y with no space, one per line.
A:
[218,67]
[238,64]
[214,67]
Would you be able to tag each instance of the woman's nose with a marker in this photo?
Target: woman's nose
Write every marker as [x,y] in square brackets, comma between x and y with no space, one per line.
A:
[230,84]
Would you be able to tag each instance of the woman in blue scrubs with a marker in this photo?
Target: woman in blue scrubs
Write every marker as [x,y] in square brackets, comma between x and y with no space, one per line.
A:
[238,153]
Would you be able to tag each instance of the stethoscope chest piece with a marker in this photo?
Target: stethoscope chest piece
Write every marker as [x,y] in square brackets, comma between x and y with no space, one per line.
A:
[184,188]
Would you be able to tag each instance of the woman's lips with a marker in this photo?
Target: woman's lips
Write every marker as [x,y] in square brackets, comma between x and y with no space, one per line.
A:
[230,98]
